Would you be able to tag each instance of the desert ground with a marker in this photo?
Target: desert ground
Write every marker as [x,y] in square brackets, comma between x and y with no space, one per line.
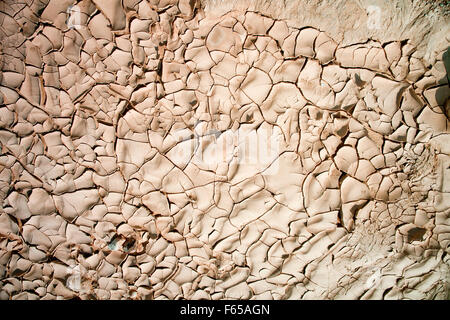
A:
[234,149]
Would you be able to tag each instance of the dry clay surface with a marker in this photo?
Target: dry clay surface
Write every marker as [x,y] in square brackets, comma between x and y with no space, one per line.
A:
[158,150]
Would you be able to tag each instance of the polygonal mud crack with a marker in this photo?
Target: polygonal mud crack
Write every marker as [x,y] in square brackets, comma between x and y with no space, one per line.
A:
[184,149]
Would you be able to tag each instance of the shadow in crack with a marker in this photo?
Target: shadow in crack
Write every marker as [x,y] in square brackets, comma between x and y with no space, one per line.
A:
[443,93]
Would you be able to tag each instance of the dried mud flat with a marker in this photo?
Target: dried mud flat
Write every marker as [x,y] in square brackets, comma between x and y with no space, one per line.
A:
[224,149]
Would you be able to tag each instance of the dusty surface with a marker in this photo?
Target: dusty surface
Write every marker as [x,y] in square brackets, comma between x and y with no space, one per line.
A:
[221,149]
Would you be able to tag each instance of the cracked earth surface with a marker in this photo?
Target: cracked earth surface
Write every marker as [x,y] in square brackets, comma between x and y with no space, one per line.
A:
[113,184]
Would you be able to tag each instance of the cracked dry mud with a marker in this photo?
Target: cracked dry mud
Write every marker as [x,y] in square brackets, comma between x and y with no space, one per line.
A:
[126,129]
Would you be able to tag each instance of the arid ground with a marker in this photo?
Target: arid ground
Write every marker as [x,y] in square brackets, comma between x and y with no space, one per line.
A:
[234,149]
